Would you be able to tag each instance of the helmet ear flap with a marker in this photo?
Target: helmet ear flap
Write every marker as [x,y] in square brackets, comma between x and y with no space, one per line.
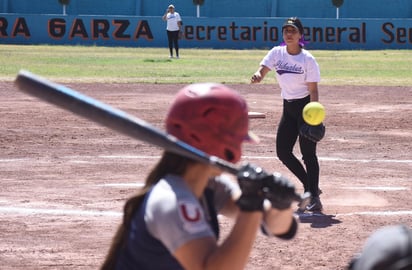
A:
[230,156]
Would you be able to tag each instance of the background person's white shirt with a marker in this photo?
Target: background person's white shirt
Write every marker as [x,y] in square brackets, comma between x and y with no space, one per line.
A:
[172,21]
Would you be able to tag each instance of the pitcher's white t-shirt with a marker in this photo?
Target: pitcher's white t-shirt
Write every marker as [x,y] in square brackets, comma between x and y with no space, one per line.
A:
[293,72]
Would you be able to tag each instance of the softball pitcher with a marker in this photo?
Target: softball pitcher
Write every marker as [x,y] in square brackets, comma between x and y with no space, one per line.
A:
[298,74]
[172,222]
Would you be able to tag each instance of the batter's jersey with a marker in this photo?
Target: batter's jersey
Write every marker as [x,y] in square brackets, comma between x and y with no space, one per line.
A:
[169,217]
[172,21]
[292,71]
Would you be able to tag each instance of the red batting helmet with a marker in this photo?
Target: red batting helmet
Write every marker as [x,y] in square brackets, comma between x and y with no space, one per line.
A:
[212,118]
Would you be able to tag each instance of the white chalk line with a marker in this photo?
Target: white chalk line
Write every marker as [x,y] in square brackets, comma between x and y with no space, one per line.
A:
[86,159]
[56,212]
[97,213]
[6,160]
[266,157]
[122,185]
[378,213]
[378,188]
[366,160]
[128,157]
[139,185]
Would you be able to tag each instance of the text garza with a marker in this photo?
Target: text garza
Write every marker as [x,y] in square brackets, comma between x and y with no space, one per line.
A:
[97,29]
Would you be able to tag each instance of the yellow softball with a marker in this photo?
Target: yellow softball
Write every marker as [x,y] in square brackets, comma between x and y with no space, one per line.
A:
[313,113]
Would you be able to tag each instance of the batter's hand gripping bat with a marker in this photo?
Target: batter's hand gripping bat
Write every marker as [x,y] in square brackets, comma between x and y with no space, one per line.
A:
[120,121]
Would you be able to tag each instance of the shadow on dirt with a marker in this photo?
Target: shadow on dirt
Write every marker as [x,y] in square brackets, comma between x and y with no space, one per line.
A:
[318,219]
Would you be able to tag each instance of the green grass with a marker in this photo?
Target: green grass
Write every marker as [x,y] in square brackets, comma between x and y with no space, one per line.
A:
[152,65]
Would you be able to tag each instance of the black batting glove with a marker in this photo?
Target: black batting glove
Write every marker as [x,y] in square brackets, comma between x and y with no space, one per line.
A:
[280,191]
[250,179]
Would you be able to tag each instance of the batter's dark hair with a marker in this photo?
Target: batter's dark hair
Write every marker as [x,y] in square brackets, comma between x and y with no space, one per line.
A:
[169,163]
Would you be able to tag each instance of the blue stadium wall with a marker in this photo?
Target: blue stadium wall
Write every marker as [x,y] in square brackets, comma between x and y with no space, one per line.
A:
[138,23]
[218,8]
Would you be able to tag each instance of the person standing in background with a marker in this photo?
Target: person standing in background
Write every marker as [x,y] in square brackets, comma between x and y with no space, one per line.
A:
[298,74]
[174,23]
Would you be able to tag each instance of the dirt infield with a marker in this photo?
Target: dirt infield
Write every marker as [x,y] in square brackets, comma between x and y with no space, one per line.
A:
[64,180]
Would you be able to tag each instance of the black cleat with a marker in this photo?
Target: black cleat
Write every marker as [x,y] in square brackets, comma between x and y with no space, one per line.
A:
[315,205]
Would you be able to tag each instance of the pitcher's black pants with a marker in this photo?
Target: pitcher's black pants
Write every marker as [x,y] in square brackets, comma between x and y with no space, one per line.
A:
[287,135]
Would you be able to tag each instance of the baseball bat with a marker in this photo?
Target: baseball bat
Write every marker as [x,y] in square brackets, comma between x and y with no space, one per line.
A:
[118,120]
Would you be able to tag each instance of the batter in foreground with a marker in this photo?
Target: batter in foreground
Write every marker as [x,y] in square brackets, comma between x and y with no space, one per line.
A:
[172,222]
